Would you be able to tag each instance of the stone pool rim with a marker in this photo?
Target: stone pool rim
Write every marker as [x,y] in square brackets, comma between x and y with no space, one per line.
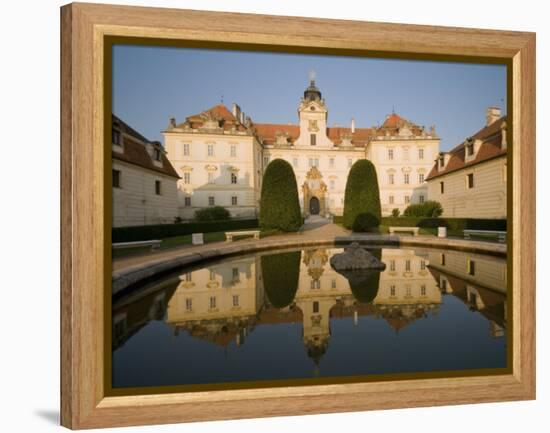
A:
[131,276]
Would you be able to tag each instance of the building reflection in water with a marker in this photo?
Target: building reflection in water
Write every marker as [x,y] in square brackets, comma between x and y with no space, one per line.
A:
[224,302]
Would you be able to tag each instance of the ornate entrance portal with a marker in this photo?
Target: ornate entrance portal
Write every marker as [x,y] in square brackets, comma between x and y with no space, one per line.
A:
[314,207]
[314,192]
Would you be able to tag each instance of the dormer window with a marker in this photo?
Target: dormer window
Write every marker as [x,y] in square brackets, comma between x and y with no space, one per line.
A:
[441,161]
[156,154]
[470,147]
[116,137]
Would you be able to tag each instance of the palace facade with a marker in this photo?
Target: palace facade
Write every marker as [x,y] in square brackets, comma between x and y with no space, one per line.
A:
[470,180]
[221,155]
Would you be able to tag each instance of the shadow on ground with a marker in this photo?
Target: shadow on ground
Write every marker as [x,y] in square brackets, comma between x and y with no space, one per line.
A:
[50,415]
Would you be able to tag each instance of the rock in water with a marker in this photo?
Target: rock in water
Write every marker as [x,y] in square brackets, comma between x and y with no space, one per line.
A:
[355,257]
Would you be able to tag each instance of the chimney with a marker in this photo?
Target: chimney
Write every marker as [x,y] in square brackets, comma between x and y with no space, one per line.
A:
[493,114]
[241,117]
[353,125]
[236,111]
[503,129]
[172,123]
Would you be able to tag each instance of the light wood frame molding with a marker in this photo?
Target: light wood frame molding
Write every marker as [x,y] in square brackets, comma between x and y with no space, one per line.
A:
[83,282]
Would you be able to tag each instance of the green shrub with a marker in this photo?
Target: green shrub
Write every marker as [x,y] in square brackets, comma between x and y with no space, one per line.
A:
[160,231]
[280,275]
[214,213]
[430,209]
[395,212]
[364,283]
[451,223]
[362,210]
[279,203]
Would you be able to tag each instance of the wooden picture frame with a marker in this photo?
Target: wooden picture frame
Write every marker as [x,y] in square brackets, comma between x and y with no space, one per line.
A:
[84,271]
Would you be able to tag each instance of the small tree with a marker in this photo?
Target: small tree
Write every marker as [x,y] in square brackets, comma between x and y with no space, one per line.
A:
[362,210]
[280,276]
[279,203]
[430,209]
[395,212]
[215,213]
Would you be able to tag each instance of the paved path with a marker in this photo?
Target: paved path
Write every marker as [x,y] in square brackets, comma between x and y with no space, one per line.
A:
[314,228]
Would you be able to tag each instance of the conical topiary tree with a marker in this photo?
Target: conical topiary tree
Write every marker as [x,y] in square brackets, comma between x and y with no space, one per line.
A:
[279,203]
[362,210]
[280,276]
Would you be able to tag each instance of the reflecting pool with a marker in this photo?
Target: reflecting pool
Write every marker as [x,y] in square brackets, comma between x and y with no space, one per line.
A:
[289,315]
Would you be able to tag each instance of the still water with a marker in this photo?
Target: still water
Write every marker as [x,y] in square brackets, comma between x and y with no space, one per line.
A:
[289,315]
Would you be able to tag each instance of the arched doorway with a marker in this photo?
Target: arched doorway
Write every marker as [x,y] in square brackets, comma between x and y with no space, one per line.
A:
[314,206]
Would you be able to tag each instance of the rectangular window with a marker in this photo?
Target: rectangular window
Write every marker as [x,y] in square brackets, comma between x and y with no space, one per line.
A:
[210,150]
[116,137]
[186,149]
[442,259]
[390,154]
[187,177]
[407,265]
[421,199]
[333,284]
[423,290]
[212,275]
[210,177]
[295,162]
[315,307]
[406,178]
[116,178]
[420,153]
[234,200]
[470,149]
[233,151]
[189,277]
[211,201]
[235,273]
[422,264]
[407,199]
[405,153]
[420,177]
[266,161]
[408,291]
[392,290]
[156,154]
[158,187]
[233,178]
[313,139]
[212,302]
[471,180]
[187,201]
[235,300]
[189,304]
[391,199]
[471,267]
[331,162]
[441,187]
[391,179]
[392,265]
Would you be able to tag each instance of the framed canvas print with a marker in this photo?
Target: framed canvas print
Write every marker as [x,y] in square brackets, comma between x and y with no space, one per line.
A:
[266,215]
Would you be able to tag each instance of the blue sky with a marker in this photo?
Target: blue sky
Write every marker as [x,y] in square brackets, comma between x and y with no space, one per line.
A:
[150,84]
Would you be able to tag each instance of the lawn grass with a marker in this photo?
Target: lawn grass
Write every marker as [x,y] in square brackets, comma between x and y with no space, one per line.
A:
[177,241]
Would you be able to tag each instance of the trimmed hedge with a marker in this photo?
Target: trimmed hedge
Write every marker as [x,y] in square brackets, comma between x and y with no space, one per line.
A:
[279,203]
[362,210]
[159,231]
[280,275]
[430,209]
[450,223]
[215,213]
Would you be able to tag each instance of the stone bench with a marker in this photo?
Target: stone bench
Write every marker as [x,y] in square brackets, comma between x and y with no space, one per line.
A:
[154,244]
[230,235]
[413,230]
[499,234]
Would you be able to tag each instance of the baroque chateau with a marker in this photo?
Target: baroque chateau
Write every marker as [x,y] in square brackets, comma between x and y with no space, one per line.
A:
[218,157]
[221,155]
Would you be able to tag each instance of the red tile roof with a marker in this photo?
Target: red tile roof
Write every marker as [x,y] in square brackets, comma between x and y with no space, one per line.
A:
[267,132]
[218,112]
[490,148]
[134,150]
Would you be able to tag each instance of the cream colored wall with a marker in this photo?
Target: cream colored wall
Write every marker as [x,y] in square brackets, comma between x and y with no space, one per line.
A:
[136,203]
[198,164]
[487,199]
[399,165]
[490,272]
[337,173]
[217,281]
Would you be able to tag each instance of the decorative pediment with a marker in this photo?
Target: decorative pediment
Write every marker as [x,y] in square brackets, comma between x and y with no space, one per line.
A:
[210,167]
[346,139]
[406,170]
[405,131]
[314,173]
[233,169]
[186,168]
[281,138]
